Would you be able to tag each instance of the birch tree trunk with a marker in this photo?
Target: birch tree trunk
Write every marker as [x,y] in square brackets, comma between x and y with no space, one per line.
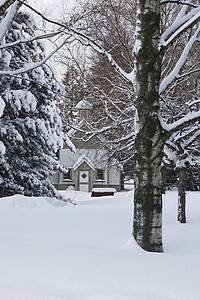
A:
[147,225]
[181,196]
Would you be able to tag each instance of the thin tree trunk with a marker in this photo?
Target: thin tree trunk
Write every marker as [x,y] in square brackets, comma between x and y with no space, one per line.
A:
[181,196]
[147,225]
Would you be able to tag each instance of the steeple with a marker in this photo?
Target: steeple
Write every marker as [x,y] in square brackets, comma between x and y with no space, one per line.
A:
[83,108]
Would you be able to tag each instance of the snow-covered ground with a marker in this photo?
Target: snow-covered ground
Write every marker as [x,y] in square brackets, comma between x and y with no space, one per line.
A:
[86,252]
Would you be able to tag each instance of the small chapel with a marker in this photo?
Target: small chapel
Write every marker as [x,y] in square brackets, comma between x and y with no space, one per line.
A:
[88,167]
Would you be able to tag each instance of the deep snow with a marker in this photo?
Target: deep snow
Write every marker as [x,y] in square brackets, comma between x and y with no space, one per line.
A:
[86,252]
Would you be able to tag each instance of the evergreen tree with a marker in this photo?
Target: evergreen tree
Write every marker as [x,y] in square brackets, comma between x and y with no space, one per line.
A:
[76,90]
[31,128]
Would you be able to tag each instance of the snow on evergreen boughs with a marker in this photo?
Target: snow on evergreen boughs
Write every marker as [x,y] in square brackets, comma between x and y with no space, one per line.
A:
[2,105]
[2,147]
[21,100]
[30,127]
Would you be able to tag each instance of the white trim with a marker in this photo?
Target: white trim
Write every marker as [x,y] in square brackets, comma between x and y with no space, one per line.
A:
[82,159]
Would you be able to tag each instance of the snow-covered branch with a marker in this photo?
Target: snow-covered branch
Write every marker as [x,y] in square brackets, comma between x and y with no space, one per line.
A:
[178,148]
[175,72]
[179,2]
[188,73]
[32,66]
[194,102]
[101,130]
[86,40]
[188,133]
[191,140]
[183,21]
[4,5]
[9,17]
[188,119]
[2,105]
[23,41]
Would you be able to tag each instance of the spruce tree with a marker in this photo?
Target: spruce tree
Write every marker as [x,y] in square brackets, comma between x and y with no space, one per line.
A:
[31,128]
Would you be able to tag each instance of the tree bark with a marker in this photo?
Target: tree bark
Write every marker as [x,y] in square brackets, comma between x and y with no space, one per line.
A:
[147,225]
[164,179]
[181,196]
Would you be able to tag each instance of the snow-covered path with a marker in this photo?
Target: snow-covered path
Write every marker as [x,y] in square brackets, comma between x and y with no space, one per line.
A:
[86,252]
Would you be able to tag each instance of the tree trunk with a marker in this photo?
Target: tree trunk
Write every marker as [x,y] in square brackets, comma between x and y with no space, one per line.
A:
[164,179]
[181,196]
[190,180]
[147,225]
[147,228]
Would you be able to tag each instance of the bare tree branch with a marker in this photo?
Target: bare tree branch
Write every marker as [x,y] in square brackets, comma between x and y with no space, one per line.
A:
[87,41]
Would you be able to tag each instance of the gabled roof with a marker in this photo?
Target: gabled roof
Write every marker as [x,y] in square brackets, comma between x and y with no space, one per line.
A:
[82,159]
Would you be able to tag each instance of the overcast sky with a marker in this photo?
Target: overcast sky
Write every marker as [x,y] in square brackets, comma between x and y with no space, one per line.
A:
[53,10]
[52,6]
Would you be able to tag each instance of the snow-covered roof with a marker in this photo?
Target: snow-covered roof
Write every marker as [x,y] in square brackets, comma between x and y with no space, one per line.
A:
[102,190]
[83,104]
[82,159]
